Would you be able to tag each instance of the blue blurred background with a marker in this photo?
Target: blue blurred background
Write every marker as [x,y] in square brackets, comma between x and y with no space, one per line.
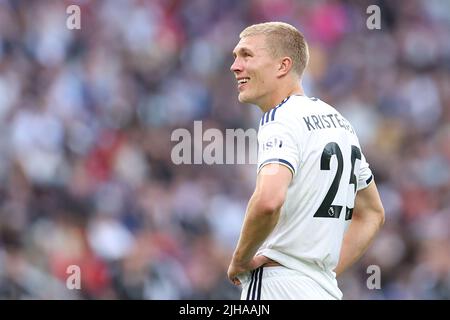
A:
[86,117]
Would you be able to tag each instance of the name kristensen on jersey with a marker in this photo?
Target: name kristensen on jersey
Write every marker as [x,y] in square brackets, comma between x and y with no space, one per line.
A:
[326,121]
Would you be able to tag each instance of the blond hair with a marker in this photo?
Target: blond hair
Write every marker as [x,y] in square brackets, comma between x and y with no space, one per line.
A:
[283,40]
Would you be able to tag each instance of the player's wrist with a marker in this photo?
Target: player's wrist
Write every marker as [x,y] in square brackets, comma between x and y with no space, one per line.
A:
[240,260]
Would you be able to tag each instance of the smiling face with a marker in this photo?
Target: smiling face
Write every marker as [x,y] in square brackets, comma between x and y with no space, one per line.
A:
[255,70]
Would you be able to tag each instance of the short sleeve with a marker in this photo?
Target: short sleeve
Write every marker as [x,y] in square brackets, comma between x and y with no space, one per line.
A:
[365,174]
[277,143]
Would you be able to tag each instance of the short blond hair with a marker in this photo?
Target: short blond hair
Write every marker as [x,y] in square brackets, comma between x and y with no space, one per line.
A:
[283,40]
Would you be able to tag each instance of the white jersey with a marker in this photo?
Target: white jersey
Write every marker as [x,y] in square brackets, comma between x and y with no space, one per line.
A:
[320,147]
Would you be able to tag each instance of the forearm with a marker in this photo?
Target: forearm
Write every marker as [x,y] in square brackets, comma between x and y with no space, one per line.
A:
[357,239]
[258,223]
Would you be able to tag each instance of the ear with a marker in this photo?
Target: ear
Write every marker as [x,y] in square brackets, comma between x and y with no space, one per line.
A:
[284,66]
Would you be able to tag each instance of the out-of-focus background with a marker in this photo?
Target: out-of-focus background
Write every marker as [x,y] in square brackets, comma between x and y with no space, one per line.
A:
[86,116]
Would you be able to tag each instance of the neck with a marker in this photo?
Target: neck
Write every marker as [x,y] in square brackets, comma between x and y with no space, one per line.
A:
[277,97]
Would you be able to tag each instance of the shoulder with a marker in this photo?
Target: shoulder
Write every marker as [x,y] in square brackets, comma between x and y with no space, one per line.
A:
[287,111]
[273,114]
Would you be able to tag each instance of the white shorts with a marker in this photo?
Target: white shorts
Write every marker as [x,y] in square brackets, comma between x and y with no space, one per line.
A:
[281,283]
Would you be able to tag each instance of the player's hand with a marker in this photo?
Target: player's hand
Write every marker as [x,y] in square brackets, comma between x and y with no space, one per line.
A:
[236,268]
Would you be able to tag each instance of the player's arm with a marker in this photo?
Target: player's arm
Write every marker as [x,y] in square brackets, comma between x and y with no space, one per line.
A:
[367,219]
[262,215]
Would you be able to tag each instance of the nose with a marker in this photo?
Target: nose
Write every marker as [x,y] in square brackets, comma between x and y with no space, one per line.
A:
[236,67]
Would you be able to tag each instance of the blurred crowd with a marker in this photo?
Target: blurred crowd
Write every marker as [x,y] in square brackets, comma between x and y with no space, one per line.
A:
[86,117]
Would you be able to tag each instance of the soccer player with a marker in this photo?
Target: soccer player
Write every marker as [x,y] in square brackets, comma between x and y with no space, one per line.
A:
[315,208]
